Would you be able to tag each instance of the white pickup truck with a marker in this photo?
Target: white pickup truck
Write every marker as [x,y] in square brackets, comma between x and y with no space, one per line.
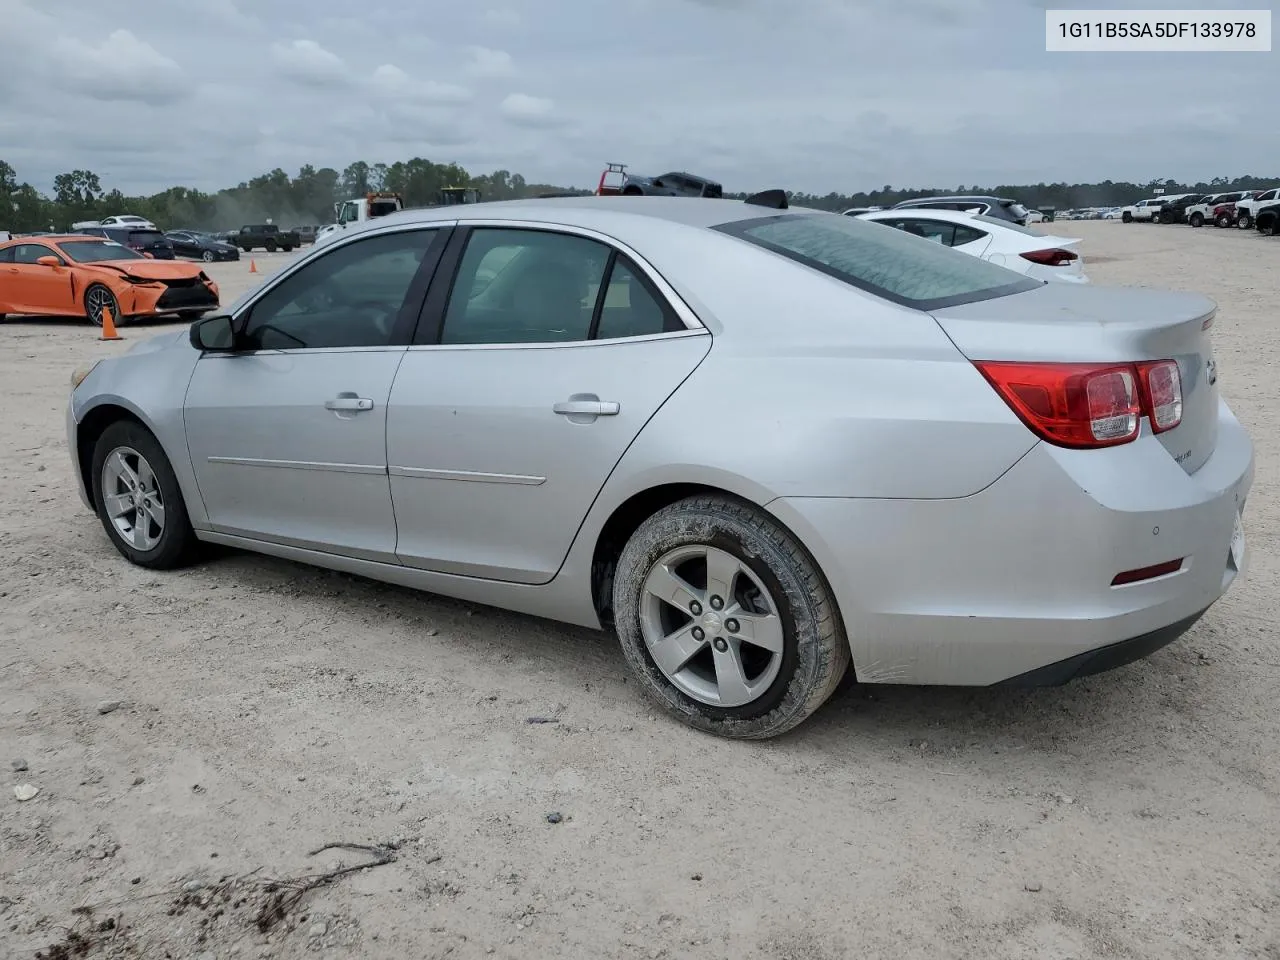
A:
[1247,208]
[1198,214]
[1143,210]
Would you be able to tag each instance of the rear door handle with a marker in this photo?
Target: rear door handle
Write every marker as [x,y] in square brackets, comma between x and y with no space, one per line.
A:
[349,403]
[587,408]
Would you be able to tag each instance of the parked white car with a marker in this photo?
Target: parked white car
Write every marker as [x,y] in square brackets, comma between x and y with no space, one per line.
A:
[1035,216]
[128,220]
[1000,242]
[1247,208]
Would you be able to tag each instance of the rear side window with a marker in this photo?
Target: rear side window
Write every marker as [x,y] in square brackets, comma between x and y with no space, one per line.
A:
[891,264]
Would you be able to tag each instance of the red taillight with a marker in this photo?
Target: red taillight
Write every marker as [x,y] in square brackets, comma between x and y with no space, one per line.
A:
[1161,384]
[1053,257]
[1087,405]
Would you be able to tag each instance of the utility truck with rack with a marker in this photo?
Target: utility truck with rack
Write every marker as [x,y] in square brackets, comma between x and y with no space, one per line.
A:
[378,204]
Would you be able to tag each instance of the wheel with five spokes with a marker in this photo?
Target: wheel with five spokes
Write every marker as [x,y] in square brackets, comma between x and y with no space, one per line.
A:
[98,299]
[137,497]
[726,620]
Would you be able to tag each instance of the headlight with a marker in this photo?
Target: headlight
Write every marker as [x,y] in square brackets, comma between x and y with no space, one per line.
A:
[78,375]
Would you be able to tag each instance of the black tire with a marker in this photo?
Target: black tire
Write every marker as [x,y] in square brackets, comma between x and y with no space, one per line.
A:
[247,247]
[177,542]
[815,653]
[1197,219]
[1244,221]
[271,246]
[1223,221]
[97,293]
[1126,217]
[208,256]
[191,316]
[288,248]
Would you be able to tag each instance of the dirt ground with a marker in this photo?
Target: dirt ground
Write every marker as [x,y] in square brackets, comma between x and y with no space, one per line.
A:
[267,709]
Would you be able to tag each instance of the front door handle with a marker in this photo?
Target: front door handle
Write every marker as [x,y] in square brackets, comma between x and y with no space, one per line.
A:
[349,403]
[581,407]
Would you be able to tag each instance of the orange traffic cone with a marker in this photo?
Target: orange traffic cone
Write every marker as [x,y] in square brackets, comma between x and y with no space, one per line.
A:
[109,326]
[253,266]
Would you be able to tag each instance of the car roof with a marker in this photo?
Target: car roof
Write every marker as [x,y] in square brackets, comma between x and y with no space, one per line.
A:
[49,238]
[952,216]
[600,213]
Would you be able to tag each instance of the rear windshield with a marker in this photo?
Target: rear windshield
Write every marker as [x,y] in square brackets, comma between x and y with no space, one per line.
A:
[93,251]
[1017,210]
[146,236]
[897,266]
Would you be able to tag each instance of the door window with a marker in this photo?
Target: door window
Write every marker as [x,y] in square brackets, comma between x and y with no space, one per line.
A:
[31,252]
[530,286]
[938,231]
[349,297]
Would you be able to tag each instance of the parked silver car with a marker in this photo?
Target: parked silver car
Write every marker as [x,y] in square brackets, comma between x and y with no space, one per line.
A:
[760,442]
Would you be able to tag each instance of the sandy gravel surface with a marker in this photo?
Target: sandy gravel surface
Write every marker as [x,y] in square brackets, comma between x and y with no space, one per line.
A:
[266,709]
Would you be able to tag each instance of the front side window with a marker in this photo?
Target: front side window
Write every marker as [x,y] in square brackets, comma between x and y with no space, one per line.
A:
[349,297]
[538,286]
[31,252]
[891,264]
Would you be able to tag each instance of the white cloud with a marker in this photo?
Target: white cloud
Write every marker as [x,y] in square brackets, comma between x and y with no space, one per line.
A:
[489,63]
[307,62]
[389,80]
[120,67]
[530,111]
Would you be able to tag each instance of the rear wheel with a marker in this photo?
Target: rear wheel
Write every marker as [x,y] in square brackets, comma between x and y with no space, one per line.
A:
[138,499]
[1197,219]
[207,256]
[287,248]
[1223,220]
[98,299]
[725,619]
[1127,217]
[271,246]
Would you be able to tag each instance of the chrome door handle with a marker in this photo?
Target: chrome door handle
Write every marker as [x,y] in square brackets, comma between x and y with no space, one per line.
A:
[587,408]
[349,403]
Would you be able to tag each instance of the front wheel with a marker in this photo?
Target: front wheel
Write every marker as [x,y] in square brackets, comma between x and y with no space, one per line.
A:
[726,621]
[98,299]
[138,499]
[1244,221]
[287,248]
[271,246]
[1127,217]
[1197,219]
[1223,221]
[207,256]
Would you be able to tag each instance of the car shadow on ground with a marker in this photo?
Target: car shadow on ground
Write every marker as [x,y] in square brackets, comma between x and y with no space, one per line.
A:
[140,323]
[941,722]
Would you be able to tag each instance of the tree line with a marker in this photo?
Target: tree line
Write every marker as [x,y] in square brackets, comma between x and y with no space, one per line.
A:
[309,196]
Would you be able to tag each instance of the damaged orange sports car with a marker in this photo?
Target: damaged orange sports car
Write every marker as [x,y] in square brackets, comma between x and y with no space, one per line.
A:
[80,276]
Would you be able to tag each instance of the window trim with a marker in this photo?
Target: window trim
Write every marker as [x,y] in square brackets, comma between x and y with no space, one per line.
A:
[402,329]
[48,252]
[738,230]
[431,321]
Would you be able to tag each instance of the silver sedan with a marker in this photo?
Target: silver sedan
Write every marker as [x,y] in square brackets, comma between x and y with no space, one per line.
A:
[760,443]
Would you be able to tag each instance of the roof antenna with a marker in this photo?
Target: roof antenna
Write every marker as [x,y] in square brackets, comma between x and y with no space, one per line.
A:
[777,199]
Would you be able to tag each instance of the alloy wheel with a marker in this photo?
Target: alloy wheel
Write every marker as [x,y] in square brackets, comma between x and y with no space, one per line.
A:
[711,626]
[97,299]
[132,499]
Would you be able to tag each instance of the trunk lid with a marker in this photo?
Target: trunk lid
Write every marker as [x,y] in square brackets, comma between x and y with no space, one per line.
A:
[1068,323]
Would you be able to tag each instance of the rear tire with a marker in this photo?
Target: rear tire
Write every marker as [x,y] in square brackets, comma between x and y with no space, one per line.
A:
[782,602]
[207,256]
[287,249]
[1197,219]
[1126,217]
[138,500]
[1223,221]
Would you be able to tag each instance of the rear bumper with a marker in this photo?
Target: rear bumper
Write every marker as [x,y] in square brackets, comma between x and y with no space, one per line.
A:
[1016,579]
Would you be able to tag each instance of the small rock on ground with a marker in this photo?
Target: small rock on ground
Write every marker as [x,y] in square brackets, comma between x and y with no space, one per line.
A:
[18,766]
[108,706]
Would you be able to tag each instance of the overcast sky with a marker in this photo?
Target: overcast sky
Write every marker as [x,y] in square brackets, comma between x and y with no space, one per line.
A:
[814,95]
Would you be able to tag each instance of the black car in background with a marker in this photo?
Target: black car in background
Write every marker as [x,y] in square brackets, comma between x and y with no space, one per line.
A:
[201,246]
[671,185]
[1174,210]
[1001,208]
[143,241]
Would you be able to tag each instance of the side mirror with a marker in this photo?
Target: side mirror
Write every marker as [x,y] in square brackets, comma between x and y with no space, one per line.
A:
[213,333]
[49,262]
